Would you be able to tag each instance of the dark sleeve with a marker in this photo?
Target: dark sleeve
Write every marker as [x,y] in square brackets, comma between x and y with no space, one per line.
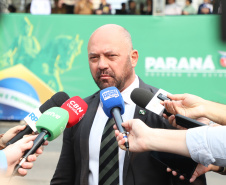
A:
[65,170]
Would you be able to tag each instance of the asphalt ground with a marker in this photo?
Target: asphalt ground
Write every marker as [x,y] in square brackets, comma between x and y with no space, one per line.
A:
[45,165]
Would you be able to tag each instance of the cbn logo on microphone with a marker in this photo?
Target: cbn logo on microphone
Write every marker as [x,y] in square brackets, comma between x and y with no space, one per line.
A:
[110,94]
[75,107]
[53,114]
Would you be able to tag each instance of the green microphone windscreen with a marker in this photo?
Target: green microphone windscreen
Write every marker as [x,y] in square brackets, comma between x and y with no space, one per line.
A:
[54,120]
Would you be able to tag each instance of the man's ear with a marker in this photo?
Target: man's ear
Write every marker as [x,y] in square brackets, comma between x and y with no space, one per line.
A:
[134,57]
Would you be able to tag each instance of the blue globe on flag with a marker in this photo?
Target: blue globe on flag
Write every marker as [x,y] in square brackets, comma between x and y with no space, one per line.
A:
[17,99]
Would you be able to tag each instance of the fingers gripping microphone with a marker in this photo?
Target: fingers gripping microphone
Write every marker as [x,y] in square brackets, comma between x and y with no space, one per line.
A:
[57,119]
[76,108]
[55,101]
[144,99]
[113,106]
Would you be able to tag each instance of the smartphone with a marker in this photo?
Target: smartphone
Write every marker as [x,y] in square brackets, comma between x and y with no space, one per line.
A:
[182,165]
[187,122]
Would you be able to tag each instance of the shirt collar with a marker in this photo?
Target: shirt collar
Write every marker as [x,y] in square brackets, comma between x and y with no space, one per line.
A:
[126,93]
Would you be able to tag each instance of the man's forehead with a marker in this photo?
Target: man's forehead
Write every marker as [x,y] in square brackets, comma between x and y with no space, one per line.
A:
[102,52]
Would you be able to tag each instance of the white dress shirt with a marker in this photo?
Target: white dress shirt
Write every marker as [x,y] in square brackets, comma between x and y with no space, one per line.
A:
[207,145]
[96,134]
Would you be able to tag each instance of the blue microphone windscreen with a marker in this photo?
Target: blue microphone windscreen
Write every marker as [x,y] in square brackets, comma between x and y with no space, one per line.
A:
[111,98]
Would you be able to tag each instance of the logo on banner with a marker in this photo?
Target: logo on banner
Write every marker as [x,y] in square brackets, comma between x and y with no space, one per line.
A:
[223,58]
[192,67]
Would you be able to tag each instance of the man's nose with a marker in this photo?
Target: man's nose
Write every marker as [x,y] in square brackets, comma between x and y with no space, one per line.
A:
[103,63]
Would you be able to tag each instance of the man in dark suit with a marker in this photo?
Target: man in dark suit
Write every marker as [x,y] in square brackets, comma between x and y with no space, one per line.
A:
[112,60]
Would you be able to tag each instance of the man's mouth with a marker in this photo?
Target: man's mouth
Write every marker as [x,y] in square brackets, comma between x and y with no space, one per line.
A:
[104,76]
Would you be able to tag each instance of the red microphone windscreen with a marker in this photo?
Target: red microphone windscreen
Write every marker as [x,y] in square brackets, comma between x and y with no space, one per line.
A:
[76,108]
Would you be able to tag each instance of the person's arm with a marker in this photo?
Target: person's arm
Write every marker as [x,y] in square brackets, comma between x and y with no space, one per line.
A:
[143,138]
[163,140]
[204,145]
[195,107]
[14,152]
[207,145]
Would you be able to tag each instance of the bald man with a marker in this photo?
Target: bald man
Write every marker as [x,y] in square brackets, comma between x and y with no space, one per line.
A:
[112,62]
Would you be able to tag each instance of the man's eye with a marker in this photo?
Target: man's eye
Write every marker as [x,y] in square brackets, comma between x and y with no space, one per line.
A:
[112,55]
[93,57]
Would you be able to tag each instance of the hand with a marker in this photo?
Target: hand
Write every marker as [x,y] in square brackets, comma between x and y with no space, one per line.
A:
[172,121]
[185,104]
[15,151]
[138,134]
[10,134]
[200,169]
[60,2]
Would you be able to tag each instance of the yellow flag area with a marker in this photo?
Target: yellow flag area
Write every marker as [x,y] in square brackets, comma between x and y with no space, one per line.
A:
[20,71]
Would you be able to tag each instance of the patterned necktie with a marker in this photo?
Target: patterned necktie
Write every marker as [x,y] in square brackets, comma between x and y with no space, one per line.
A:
[108,161]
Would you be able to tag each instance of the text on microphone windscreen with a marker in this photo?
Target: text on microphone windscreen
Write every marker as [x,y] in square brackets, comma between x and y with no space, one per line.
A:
[111,98]
[56,118]
[76,108]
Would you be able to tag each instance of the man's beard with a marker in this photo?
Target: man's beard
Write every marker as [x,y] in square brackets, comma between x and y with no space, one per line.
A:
[118,82]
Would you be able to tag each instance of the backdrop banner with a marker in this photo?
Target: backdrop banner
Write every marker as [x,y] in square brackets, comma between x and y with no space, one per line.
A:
[180,54]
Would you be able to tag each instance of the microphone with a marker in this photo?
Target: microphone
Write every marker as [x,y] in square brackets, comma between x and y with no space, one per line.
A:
[183,165]
[55,101]
[76,108]
[57,119]
[146,99]
[113,106]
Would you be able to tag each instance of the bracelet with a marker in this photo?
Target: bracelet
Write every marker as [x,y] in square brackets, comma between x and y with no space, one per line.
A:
[222,170]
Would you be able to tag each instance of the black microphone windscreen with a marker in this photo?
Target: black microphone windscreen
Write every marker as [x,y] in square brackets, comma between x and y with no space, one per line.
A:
[47,105]
[59,98]
[55,101]
[141,97]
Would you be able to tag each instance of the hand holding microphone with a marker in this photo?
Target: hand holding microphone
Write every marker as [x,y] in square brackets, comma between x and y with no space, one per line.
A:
[57,119]
[55,101]
[10,134]
[53,122]
[138,136]
[14,152]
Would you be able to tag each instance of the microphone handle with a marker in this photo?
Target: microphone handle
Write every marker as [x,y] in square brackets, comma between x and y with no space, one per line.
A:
[17,137]
[37,143]
[116,113]
[163,98]
[167,113]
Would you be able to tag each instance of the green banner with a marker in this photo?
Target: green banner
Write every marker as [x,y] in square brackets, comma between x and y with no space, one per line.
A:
[180,54]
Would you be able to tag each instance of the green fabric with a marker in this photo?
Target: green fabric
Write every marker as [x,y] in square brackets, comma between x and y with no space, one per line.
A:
[180,54]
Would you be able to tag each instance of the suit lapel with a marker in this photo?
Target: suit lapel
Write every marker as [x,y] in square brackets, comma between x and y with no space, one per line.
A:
[84,137]
[139,113]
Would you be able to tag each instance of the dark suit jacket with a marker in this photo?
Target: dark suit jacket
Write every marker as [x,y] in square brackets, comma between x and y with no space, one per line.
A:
[139,169]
